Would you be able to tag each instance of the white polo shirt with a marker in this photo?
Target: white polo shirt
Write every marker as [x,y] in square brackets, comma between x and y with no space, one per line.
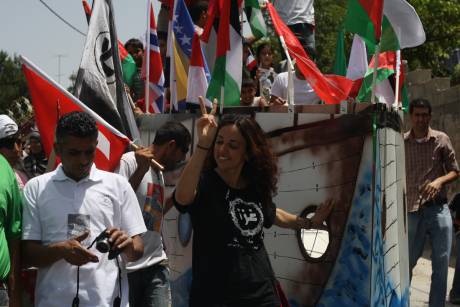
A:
[57,208]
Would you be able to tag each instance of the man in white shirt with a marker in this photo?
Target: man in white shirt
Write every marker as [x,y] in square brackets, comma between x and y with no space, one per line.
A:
[299,16]
[149,276]
[65,210]
[303,93]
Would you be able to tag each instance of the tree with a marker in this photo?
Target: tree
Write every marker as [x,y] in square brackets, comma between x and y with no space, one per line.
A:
[73,79]
[14,96]
[329,15]
[440,19]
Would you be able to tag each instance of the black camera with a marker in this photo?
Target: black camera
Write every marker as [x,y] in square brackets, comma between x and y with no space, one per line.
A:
[104,246]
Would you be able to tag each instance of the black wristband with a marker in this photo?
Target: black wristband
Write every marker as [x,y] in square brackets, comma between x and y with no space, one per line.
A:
[202,147]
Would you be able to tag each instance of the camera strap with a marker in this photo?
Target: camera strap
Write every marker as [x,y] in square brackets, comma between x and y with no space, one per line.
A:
[116,301]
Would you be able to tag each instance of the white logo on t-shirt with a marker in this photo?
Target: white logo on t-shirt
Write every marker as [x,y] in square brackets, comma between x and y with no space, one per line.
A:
[246,216]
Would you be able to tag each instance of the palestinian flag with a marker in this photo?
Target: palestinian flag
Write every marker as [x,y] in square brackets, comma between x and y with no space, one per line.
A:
[357,64]
[256,18]
[364,17]
[128,66]
[226,77]
[401,26]
[385,81]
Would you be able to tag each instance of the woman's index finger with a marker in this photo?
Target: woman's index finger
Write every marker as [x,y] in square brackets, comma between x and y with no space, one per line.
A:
[202,105]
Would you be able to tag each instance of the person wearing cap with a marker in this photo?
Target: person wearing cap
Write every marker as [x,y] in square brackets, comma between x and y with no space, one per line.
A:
[11,147]
[36,162]
[10,221]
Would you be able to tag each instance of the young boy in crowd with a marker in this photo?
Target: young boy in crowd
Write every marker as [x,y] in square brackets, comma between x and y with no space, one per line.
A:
[248,94]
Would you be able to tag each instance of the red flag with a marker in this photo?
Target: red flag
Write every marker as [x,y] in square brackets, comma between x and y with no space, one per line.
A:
[213,7]
[330,88]
[50,101]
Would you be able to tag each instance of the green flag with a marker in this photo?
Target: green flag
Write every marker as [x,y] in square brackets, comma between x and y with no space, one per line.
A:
[340,64]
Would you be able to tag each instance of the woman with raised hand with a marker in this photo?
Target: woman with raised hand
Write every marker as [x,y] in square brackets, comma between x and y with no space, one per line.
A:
[227,186]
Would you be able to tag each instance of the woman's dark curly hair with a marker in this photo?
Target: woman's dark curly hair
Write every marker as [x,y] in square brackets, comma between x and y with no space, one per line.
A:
[260,170]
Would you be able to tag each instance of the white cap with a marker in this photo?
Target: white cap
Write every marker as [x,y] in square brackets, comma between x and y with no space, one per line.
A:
[7,126]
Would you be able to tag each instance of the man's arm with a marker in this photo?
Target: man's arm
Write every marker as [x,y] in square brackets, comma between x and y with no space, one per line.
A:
[39,255]
[430,190]
[143,158]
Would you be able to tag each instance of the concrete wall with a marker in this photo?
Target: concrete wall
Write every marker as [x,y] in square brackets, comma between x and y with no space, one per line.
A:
[446,107]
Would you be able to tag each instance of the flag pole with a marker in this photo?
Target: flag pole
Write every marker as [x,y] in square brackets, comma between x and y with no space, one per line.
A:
[374,74]
[291,71]
[397,83]
[222,97]
[172,64]
[147,58]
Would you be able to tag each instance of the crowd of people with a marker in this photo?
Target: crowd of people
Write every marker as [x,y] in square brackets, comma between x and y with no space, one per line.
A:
[81,228]
[69,235]
[63,213]
[56,223]
[263,84]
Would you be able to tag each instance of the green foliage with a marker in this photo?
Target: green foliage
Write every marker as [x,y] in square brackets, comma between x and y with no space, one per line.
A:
[440,19]
[13,88]
[73,79]
[329,16]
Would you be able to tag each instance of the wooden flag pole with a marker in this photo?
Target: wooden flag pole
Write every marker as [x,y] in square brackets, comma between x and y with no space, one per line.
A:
[154,162]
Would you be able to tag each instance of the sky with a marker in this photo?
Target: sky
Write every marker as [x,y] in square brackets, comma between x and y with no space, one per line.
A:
[28,28]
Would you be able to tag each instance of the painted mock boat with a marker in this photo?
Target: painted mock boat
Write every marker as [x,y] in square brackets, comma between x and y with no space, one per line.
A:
[359,256]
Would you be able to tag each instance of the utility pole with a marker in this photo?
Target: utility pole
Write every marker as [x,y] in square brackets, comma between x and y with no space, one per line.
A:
[59,56]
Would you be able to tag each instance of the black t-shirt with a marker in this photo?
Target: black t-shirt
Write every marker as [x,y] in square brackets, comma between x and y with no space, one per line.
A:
[230,264]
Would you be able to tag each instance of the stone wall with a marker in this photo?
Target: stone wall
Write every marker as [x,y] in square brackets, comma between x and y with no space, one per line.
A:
[446,107]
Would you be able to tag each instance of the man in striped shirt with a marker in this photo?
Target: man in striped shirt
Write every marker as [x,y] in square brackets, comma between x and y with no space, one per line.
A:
[430,166]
